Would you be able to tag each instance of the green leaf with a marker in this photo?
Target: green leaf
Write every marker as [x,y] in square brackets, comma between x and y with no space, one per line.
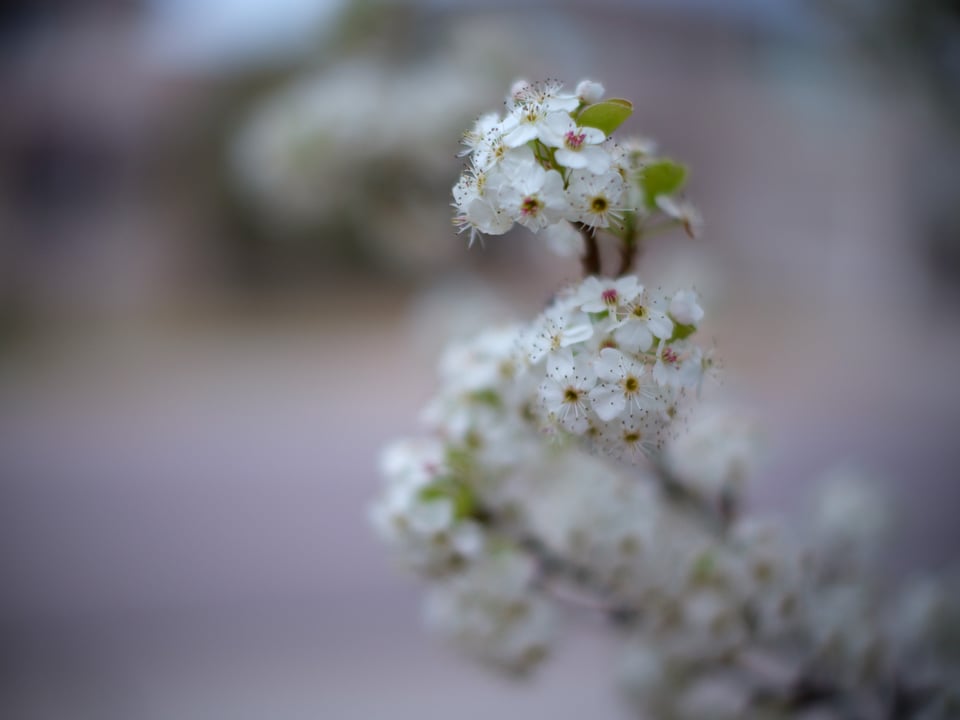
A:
[663,177]
[464,501]
[457,493]
[459,461]
[486,397]
[703,568]
[682,332]
[434,491]
[607,115]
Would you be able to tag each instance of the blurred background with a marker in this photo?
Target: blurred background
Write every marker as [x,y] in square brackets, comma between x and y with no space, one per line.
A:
[227,266]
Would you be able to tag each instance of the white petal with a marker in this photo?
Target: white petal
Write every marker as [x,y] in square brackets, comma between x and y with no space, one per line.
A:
[432,516]
[609,366]
[592,136]
[633,335]
[660,324]
[561,366]
[565,103]
[662,374]
[551,396]
[607,401]
[564,240]
[589,91]
[520,135]
[468,539]
[576,420]
[572,160]
[595,159]
[576,334]
[685,308]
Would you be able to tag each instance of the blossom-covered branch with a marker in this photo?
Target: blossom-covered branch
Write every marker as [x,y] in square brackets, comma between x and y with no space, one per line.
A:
[566,463]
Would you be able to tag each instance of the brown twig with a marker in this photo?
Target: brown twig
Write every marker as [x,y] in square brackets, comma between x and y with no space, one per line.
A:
[628,254]
[591,250]
[718,516]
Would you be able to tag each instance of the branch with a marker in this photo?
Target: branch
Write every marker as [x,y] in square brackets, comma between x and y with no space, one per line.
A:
[591,252]
[629,243]
[718,517]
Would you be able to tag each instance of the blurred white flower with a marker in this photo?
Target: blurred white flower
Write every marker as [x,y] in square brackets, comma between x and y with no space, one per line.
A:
[563,239]
[589,91]
[493,613]
[682,211]
[717,452]
[685,308]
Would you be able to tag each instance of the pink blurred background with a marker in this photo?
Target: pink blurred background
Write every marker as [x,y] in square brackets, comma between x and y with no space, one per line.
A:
[193,393]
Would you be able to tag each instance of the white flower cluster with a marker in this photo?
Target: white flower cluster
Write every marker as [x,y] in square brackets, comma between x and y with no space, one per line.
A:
[549,162]
[617,361]
[319,159]
[490,611]
[509,441]
[753,625]
[304,150]
[564,465]
[512,516]
[716,453]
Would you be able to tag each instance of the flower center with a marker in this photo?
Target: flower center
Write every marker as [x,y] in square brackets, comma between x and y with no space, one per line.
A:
[571,395]
[574,140]
[530,206]
[669,356]
[632,437]
[631,384]
[599,204]
[609,297]
[640,311]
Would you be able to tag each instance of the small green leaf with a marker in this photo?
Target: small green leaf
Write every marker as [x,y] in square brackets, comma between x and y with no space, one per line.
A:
[607,115]
[682,332]
[459,461]
[663,177]
[433,491]
[486,397]
[703,568]
[459,494]
[464,501]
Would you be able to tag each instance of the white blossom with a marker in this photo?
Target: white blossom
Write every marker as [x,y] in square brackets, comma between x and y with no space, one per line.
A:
[556,329]
[566,461]
[563,239]
[621,387]
[685,308]
[717,452]
[644,320]
[595,199]
[493,613]
[536,201]
[682,211]
[577,147]
[564,393]
[589,92]
[417,513]
[612,295]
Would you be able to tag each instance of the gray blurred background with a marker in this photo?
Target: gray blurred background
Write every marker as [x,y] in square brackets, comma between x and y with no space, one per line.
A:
[205,335]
